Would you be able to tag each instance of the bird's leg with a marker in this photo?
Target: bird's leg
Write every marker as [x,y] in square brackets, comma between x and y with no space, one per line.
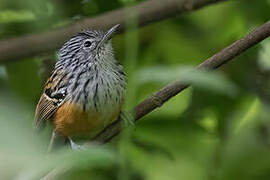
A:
[74,146]
[57,141]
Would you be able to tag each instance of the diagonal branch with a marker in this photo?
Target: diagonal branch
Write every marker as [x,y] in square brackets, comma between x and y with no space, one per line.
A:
[172,89]
[146,12]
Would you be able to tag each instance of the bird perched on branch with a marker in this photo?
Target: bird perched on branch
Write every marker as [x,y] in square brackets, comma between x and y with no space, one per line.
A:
[86,89]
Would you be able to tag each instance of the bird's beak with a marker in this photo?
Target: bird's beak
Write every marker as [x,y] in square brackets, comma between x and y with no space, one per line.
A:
[108,35]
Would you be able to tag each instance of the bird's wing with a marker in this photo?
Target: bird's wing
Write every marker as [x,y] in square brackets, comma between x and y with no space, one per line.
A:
[50,100]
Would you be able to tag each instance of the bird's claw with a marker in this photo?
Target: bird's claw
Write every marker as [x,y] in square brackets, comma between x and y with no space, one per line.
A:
[74,146]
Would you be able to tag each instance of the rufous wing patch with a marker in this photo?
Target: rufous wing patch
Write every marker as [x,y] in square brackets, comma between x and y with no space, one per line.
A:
[45,109]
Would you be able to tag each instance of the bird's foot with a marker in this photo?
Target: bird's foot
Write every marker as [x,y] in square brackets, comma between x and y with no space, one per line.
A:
[74,146]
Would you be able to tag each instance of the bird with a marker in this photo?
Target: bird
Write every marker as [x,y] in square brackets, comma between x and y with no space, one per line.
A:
[86,89]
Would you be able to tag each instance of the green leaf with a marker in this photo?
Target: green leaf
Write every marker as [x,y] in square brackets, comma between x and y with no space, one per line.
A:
[24,78]
[214,81]
[9,16]
[264,55]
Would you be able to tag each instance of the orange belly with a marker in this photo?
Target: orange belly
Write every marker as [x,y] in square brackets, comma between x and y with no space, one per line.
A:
[70,120]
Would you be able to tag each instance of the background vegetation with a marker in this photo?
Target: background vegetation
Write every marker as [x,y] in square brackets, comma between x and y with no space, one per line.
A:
[218,129]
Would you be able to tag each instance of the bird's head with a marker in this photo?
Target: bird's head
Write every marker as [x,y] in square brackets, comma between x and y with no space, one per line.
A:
[88,45]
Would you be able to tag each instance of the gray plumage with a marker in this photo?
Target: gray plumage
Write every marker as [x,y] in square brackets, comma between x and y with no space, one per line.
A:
[87,74]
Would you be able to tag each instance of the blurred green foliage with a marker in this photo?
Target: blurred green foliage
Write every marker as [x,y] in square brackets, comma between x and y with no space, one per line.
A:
[218,130]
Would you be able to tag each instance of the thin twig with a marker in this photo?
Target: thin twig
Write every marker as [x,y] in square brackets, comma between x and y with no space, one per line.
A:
[146,12]
[172,89]
[167,92]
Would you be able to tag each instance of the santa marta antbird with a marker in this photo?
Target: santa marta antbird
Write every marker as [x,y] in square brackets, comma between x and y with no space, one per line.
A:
[86,89]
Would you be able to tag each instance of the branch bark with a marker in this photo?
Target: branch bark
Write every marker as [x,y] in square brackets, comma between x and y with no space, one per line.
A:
[146,12]
[172,89]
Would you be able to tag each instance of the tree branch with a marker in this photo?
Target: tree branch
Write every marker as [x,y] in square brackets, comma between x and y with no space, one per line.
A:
[146,12]
[172,89]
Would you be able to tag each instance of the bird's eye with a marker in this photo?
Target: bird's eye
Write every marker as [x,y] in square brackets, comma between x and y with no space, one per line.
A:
[87,43]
